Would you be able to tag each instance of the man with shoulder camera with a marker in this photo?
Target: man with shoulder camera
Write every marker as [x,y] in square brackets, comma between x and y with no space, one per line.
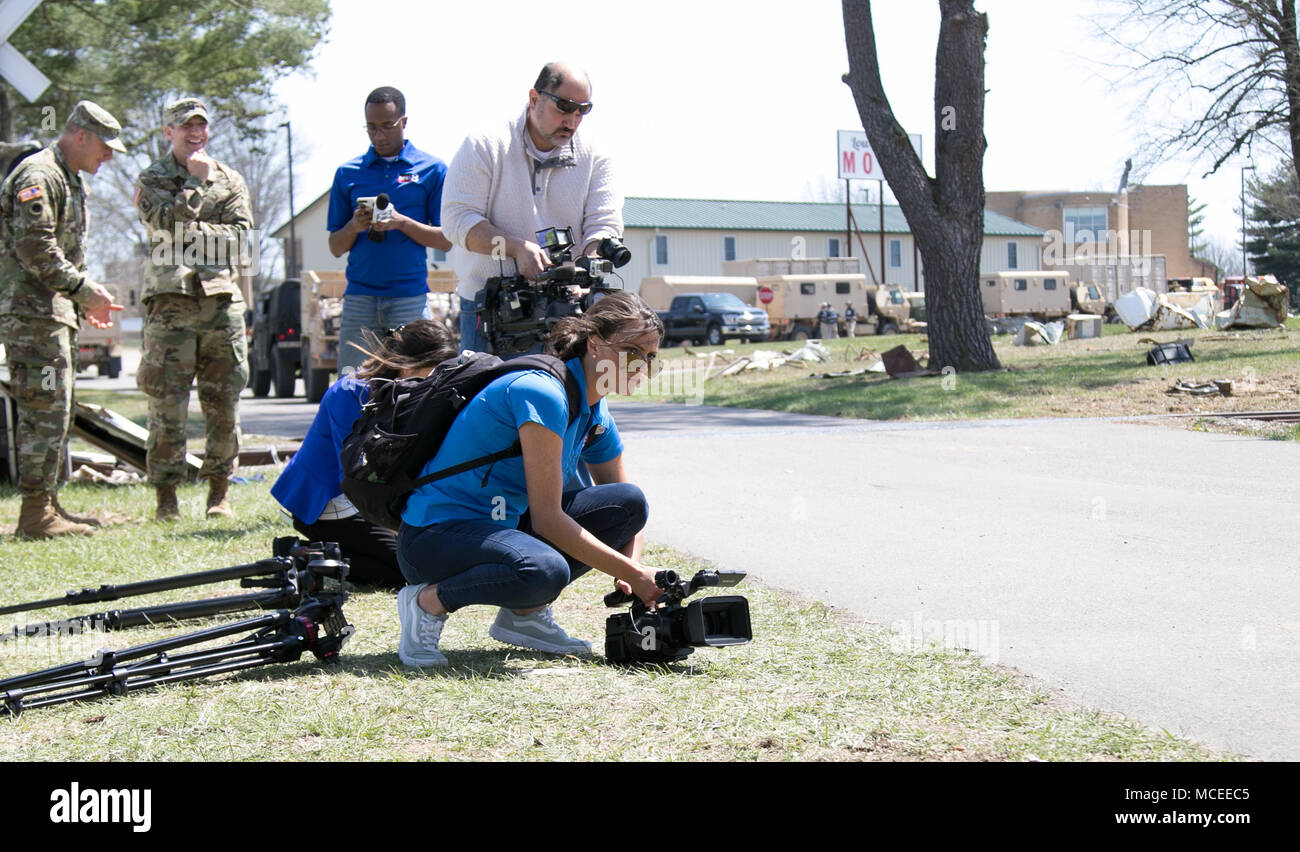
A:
[537,172]
[384,214]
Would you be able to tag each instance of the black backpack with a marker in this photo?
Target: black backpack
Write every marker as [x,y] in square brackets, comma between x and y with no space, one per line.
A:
[404,422]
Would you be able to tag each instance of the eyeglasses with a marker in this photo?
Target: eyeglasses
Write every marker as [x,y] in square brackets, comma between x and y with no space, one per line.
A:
[567,106]
[386,127]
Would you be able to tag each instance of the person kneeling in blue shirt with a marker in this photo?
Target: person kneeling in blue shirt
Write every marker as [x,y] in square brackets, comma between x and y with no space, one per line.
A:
[508,535]
[310,486]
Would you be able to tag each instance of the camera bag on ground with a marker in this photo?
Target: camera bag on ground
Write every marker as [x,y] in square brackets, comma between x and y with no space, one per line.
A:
[404,422]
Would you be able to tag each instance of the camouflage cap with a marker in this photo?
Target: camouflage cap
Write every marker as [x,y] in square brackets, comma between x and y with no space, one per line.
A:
[93,117]
[179,112]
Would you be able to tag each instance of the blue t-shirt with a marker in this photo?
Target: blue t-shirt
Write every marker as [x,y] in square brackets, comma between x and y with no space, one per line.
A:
[314,475]
[489,424]
[398,266]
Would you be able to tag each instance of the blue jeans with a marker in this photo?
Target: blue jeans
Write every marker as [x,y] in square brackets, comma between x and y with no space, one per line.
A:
[479,562]
[377,313]
[471,331]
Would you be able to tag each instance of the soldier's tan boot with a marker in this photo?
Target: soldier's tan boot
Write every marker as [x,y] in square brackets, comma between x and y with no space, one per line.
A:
[168,508]
[37,519]
[218,505]
[88,520]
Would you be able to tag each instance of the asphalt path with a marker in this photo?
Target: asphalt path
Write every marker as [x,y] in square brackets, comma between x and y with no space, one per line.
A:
[1134,568]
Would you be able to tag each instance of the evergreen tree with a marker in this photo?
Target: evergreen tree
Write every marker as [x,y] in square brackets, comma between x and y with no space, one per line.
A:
[1273,233]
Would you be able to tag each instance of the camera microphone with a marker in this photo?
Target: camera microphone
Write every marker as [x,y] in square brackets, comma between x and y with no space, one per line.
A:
[383,213]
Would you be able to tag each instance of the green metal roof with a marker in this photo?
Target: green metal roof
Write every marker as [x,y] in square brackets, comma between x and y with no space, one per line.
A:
[717,215]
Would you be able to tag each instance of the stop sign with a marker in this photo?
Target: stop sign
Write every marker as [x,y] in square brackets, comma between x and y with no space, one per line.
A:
[765,295]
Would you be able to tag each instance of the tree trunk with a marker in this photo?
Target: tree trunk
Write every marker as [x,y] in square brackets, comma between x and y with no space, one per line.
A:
[1290,43]
[945,213]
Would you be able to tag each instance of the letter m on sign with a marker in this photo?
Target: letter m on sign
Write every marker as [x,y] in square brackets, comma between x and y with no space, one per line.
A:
[849,158]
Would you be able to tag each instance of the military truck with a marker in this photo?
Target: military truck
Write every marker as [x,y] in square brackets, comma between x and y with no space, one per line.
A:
[793,302]
[274,351]
[296,330]
[1088,299]
[100,348]
[793,290]
[1037,294]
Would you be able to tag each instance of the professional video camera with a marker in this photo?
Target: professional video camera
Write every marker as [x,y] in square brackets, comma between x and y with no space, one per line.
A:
[518,314]
[670,633]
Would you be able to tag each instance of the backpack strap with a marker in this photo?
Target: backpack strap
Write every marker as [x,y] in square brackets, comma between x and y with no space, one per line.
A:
[576,395]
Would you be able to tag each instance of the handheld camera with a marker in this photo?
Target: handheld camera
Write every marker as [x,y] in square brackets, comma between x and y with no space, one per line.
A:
[671,633]
[519,314]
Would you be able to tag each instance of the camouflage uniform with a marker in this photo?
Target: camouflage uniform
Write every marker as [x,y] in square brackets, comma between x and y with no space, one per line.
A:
[194,320]
[42,285]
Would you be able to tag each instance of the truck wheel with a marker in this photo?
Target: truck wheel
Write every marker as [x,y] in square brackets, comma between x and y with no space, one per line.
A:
[260,382]
[800,333]
[715,335]
[888,328]
[283,373]
[315,382]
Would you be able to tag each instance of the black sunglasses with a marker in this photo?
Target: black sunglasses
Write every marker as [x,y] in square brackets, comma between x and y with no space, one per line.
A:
[567,106]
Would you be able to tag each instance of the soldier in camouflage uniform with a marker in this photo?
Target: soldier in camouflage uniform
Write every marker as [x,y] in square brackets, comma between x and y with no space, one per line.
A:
[43,289]
[198,214]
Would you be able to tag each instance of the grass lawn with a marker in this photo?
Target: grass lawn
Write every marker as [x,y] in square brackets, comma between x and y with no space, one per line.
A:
[1107,376]
[814,685]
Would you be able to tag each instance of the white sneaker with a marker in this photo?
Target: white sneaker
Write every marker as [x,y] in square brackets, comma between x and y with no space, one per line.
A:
[420,630]
[537,631]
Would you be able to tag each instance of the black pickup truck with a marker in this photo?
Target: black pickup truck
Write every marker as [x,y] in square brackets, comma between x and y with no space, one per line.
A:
[713,318]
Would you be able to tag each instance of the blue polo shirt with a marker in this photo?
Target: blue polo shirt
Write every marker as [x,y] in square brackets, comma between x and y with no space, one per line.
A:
[413,182]
[490,423]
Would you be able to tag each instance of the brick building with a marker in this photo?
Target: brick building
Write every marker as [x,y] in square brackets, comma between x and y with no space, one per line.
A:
[1157,213]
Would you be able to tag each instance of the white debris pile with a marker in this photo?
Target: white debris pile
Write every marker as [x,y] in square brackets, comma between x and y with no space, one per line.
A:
[1262,304]
[1032,333]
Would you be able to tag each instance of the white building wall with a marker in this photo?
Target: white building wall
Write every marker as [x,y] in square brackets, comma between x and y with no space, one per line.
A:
[313,239]
[701,253]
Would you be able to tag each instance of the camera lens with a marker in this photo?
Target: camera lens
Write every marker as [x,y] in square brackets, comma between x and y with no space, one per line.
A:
[614,251]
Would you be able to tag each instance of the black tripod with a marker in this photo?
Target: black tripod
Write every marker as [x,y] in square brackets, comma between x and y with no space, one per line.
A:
[317,625]
[292,574]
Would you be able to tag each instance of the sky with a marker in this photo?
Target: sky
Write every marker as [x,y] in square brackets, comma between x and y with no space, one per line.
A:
[734,100]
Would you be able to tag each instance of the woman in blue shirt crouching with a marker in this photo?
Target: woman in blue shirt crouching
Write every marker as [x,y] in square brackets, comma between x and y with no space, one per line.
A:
[507,534]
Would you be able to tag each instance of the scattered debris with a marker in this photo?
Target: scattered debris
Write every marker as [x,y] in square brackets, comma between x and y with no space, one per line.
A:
[1143,308]
[1005,325]
[1080,326]
[1170,353]
[1031,332]
[86,473]
[899,360]
[812,350]
[900,364]
[1136,307]
[1221,388]
[1263,304]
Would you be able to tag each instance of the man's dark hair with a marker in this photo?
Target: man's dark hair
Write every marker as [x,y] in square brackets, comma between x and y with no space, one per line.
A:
[388,95]
[551,79]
